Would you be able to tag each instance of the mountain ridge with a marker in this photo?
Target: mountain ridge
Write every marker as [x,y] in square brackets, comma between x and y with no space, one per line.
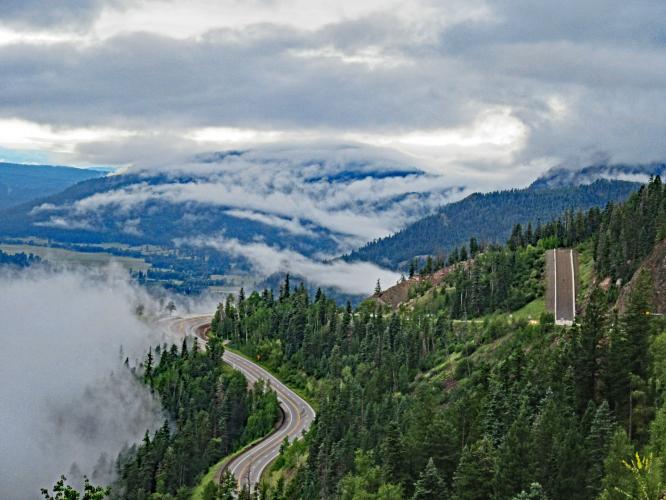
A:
[488,216]
[21,183]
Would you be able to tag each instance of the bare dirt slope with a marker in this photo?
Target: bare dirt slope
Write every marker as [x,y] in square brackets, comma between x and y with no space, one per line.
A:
[399,294]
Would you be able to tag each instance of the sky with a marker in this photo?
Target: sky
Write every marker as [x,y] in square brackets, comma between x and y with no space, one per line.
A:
[506,88]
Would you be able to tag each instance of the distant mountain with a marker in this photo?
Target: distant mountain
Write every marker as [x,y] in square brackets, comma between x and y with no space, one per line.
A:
[155,221]
[316,203]
[562,177]
[488,217]
[22,183]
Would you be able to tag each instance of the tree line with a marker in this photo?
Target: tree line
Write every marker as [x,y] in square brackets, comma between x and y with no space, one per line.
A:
[414,404]
[211,414]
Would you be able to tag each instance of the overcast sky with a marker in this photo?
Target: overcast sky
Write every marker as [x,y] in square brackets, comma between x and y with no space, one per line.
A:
[512,85]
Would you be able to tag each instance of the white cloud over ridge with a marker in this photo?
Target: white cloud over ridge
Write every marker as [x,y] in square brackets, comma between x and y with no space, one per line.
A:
[293,226]
[354,193]
[356,278]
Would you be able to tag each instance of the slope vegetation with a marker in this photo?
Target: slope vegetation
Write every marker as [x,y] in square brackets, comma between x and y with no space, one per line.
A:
[488,217]
[22,183]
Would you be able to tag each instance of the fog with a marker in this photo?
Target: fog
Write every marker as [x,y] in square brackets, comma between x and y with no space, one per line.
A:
[356,278]
[68,404]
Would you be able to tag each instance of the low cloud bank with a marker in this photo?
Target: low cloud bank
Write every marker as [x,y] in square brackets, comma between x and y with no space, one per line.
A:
[356,278]
[68,403]
[356,193]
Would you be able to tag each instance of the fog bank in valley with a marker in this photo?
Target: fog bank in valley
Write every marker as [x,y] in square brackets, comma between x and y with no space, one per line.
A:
[67,402]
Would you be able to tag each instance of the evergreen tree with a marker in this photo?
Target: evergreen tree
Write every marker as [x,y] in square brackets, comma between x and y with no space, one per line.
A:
[412,268]
[513,474]
[473,247]
[430,485]
[592,329]
[285,290]
[657,444]
[473,479]
[227,488]
[617,477]
[63,491]
[535,492]
[636,322]
[148,368]
[597,444]
[394,456]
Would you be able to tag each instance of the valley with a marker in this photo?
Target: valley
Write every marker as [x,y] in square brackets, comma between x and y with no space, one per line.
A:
[351,250]
[377,370]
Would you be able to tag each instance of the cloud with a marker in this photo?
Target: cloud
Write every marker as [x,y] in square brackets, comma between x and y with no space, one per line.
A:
[356,193]
[63,14]
[247,78]
[293,226]
[66,396]
[570,80]
[356,278]
[61,222]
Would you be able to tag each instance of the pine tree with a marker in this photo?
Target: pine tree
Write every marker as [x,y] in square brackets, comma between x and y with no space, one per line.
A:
[516,240]
[210,491]
[394,456]
[529,236]
[412,268]
[148,368]
[592,329]
[63,491]
[285,290]
[534,492]
[512,474]
[227,488]
[454,256]
[617,477]
[473,247]
[636,322]
[617,373]
[597,444]
[657,445]
[473,479]
[430,485]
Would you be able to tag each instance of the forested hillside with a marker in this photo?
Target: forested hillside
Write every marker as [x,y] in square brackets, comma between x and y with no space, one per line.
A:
[489,218]
[23,183]
[446,398]
[212,413]
[415,404]
[561,177]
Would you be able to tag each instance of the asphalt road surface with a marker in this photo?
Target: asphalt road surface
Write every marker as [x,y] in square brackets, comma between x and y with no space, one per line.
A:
[561,266]
[298,414]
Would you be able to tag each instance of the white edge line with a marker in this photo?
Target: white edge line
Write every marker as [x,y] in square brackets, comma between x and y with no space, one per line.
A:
[555,280]
[573,288]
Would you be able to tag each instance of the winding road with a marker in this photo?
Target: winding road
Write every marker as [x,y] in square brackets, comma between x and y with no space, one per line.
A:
[248,466]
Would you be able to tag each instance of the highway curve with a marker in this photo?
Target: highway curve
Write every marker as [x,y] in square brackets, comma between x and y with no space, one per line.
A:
[298,414]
